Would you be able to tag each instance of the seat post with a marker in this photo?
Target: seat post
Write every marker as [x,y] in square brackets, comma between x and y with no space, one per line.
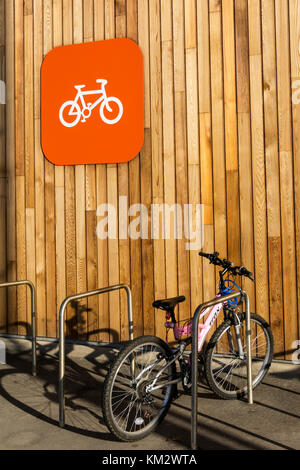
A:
[170,311]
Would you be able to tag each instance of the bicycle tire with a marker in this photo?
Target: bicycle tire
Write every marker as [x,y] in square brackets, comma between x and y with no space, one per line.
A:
[61,112]
[221,385]
[103,106]
[109,415]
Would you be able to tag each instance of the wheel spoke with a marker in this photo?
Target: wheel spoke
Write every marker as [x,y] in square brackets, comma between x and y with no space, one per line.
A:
[228,372]
[132,408]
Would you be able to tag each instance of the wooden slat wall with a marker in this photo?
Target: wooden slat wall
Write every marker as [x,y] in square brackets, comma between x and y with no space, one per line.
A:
[221,129]
[3,189]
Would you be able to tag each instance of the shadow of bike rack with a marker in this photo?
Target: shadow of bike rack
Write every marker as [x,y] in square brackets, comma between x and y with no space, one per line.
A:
[33,318]
[62,310]
[244,296]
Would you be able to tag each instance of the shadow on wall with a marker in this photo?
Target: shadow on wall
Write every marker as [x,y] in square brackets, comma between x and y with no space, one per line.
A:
[75,325]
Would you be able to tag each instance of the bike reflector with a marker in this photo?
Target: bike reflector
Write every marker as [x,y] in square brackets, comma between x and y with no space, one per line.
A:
[92,103]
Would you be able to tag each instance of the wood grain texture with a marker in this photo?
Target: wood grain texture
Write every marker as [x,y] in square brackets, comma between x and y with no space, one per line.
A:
[295,78]
[3,255]
[221,129]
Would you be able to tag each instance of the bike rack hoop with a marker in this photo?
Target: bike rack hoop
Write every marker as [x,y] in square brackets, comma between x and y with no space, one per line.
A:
[62,310]
[33,315]
[196,317]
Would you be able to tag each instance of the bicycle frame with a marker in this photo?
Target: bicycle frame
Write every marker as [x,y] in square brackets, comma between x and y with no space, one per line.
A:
[203,331]
[80,95]
[203,328]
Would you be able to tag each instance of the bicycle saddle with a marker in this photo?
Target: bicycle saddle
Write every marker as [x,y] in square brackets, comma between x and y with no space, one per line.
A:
[78,87]
[168,304]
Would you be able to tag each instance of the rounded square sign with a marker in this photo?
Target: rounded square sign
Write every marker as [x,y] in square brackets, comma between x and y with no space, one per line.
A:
[92,103]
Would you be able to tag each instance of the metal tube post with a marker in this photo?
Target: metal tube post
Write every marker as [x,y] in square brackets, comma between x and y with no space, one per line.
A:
[61,393]
[33,317]
[248,342]
[196,317]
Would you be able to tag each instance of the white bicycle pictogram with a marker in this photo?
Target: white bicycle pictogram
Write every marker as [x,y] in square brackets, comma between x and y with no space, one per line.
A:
[75,113]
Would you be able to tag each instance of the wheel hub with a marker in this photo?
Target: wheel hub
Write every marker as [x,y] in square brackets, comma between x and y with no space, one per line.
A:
[141,389]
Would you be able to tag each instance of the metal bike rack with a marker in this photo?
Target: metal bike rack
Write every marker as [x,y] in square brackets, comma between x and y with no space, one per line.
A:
[62,336]
[33,317]
[196,317]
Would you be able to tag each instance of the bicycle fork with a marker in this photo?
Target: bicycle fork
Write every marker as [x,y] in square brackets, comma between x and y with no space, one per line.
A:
[237,328]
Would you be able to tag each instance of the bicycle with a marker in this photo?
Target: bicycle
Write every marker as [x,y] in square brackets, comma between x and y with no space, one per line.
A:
[87,109]
[143,379]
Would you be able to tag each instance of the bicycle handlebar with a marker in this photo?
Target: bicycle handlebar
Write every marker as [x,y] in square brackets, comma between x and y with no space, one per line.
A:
[226,264]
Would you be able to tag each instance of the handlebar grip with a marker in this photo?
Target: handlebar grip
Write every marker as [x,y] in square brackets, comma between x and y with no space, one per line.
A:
[205,255]
[244,272]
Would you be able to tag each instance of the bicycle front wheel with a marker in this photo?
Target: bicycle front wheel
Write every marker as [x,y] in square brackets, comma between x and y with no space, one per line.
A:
[226,368]
[130,410]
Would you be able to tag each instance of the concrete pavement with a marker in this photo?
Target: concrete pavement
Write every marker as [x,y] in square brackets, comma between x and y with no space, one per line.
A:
[29,407]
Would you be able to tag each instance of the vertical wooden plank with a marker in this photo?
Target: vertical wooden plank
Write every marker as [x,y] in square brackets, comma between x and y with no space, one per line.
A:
[69,195]
[88,21]
[80,198]
[49,196]
[258,162]
[101,198]
[123,191]
[3,257]
[203,43]
[135,198]
[169,143]
[28,111]
[93,324]
[218,139]
[90,203]
[60,239]
[272,175]
[29,144]
[295,77]
[193,138]
[232,177]
[205,144]
[39,173]
[146,177]
[254,27]
[113,257]
[244,140]
[209,284]
[157,149]
[21,253]
[10,164]
[20,164]
[98,20]
[286,175]
[112,198]
[19,87]
[181,148]
[215,6]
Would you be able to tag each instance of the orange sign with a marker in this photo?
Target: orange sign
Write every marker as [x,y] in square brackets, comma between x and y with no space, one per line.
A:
[92,104]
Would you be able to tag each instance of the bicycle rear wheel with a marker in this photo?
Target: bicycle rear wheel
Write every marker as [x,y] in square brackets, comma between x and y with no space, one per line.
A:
[130,411]
[225,370]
